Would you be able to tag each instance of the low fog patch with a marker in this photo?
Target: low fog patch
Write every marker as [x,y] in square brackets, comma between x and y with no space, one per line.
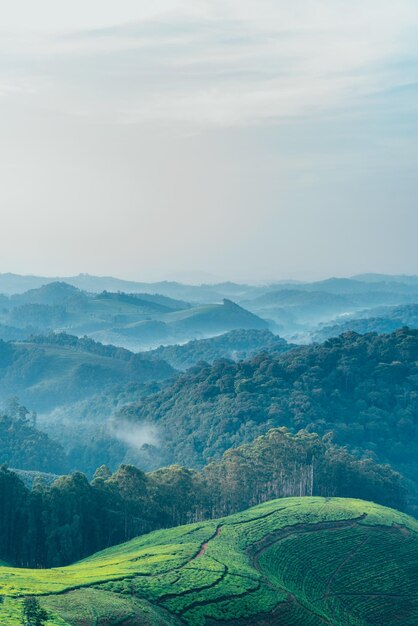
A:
[135,435]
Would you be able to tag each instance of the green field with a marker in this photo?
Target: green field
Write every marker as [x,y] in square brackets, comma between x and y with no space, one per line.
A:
[293,562]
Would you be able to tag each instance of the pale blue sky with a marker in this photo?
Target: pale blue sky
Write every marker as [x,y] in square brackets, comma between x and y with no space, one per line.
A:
[247,139]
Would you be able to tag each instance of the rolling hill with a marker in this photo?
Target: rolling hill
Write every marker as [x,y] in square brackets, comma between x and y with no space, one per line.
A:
[136,321]
[60,305]
[299,307]
[293,309]
[378,320]
[196,322]
[361,388]
[54,370]
[382,286]
[72,517]
[142,316]
[290,562]
[235,344]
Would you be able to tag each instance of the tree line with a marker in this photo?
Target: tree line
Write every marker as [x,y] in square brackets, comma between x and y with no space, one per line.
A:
[57,524]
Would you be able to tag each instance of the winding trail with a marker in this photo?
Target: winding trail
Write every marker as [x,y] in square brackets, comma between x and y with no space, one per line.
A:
[254,553]
[259,580]
[205,545]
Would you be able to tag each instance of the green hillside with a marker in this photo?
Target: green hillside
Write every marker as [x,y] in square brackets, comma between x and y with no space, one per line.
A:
[361,388]
[72,517]
[54,370]
[182,325]
[293,562]
[235,344]
[58,306]
[133,320]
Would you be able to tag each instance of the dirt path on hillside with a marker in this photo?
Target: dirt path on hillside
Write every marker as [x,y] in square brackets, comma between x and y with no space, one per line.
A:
[205,545]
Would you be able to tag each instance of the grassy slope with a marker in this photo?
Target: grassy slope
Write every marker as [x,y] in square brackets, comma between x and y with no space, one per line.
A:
[295,561]
[54,374]
[61,367]
[220,315]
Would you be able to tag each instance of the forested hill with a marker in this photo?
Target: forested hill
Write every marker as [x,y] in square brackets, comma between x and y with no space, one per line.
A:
[51,371]
[364,389]
[378,320]
[235,345]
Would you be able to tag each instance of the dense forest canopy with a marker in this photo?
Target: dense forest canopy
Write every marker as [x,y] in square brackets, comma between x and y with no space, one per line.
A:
[77,384]
[236,345]
[25,447]
[363,389]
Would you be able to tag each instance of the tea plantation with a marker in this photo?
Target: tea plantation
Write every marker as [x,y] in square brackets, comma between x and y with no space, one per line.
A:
[293,562]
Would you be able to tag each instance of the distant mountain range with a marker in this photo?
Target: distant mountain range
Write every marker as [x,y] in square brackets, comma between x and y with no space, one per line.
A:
[14,283]
[378,278]
[139,315]
[136,321]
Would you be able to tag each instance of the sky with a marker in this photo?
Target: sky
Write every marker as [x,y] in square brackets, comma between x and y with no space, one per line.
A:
[245,140]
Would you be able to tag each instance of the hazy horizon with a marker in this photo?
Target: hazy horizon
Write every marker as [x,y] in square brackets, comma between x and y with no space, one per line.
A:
[247,141]
[203,278]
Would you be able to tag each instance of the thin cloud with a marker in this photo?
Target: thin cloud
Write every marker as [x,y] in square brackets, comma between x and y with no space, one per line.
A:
[225,64]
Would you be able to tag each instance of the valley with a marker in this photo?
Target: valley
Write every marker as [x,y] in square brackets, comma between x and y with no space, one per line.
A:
[208,313]
[140,429]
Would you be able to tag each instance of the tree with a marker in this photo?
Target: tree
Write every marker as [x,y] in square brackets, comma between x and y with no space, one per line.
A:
[33,613]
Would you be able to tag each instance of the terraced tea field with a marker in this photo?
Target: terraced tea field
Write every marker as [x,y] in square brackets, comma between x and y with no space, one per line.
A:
[293,562]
